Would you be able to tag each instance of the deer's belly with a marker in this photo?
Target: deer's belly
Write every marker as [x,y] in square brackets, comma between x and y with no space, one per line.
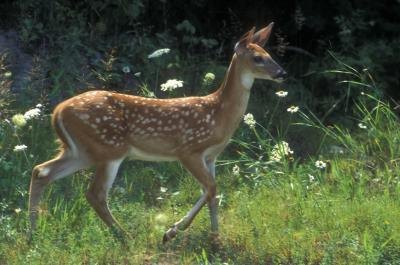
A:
[147,155]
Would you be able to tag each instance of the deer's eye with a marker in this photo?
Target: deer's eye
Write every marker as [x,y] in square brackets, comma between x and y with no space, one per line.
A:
[258,59]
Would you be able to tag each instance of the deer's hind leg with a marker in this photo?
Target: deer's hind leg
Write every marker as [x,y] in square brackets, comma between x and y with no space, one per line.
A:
[43,174]
[98,193]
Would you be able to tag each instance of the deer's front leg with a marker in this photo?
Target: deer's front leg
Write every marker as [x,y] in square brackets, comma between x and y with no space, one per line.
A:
[201,171]
[212,201]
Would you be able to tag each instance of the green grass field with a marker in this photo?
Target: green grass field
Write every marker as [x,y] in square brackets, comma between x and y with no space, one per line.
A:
[271,212]
[339,205]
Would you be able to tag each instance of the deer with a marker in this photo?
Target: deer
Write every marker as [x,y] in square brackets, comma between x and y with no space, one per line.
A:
[100,128]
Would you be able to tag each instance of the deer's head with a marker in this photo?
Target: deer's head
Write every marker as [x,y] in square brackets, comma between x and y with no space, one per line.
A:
[250,52]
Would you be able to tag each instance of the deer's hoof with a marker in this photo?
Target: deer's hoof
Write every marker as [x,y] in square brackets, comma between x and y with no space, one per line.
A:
[170,234]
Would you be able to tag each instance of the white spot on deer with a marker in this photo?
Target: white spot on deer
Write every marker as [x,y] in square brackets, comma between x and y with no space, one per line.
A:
[84,116]
[195,115]
[213,122]
[98,120]
[159,122]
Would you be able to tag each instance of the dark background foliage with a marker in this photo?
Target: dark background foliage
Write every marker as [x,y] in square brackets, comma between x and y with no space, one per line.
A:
[97,37]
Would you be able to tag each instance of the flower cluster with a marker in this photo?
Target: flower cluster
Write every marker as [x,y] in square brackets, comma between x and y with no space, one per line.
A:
[293,109]
[208,79]
[20,148]
[249,120]
[32,114]
[171,85]
[126,69]
[320,164]
[18,120]
[281,150]
[236,170]
[158,53]
[281,93]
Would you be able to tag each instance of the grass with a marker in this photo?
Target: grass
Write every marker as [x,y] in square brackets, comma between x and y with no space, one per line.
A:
[282,211]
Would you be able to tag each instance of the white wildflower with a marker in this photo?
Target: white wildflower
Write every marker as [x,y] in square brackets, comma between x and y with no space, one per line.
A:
[163,189]
[39,106]
[311,178]
[280,150]
[138,74]
[126,69]
[17,211]
[281,94]
[293,109]
[362,126]
[236,170]
[249,120]
[171,85]
[320,164]
[158,53]
[18,120]
[208,78]
[20,148]
[32,114]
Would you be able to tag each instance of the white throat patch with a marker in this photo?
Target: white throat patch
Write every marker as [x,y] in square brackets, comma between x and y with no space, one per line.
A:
[247,80]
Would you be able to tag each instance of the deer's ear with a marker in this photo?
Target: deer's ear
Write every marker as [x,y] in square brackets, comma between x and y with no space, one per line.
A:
[261,37]
[241,45]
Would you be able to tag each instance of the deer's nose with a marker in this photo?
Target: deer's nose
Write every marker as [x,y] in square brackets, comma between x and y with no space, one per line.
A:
[281,74]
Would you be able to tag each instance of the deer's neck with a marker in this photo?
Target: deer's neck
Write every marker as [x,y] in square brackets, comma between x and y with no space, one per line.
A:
[234,94]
